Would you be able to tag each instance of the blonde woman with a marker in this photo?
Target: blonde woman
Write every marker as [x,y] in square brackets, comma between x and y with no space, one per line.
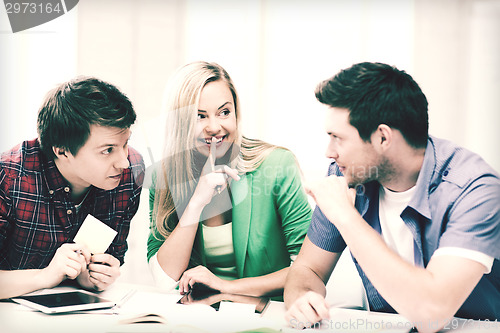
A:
[226,211]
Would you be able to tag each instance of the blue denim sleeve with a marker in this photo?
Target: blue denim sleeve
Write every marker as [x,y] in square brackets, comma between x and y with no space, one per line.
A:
[473,221]
[321,231]
[324,234]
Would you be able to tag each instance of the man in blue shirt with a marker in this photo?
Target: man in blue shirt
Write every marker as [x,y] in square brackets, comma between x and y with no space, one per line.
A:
[419,214]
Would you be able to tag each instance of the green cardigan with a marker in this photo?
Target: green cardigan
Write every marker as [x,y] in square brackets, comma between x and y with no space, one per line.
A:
[270,216]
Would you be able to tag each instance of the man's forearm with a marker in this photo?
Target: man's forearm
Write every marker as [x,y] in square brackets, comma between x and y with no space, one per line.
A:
[19,282]
[300,280]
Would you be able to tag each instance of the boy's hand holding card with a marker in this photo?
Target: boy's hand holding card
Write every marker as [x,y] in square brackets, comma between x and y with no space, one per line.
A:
[95,235]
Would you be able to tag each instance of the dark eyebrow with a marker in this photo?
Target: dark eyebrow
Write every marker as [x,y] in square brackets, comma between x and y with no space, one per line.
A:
[220,107]
[223,105]
[107,145]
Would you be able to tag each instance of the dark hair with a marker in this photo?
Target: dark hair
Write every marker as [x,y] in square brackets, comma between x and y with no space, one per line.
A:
[65,117]
[376,93]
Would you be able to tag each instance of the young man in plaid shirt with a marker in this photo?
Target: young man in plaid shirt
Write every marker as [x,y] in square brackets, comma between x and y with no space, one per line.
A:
[80,164]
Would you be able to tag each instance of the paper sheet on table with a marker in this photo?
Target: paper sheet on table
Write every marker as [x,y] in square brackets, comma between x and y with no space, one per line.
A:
[236,308]
[95,235]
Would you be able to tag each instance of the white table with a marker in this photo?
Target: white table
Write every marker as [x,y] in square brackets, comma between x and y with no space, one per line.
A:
[16,318]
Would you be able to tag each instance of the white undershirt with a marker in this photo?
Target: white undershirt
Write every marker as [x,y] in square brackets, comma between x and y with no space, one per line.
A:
[399,238]
[395,232]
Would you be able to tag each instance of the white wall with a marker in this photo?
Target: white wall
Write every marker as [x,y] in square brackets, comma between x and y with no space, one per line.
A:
[482,116]
[456,63]
[31,63]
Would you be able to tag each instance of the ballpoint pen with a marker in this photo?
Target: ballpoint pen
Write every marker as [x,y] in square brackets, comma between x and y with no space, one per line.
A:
[122,301]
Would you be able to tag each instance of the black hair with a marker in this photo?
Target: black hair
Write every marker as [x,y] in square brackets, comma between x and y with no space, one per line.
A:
[68,111]
[376,93]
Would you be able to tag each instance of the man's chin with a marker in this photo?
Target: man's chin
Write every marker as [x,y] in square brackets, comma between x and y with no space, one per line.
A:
[354,182]
[108,187]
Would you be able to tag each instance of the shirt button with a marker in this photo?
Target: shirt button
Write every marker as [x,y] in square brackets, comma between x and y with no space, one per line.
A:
[69,211]
[51,192]
[66,189]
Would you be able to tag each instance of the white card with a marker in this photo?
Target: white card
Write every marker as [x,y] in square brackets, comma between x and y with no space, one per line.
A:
[95,235]
[233,308]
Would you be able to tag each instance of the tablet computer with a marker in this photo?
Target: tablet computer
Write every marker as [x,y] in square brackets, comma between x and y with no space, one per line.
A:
[201,294]
[64,302]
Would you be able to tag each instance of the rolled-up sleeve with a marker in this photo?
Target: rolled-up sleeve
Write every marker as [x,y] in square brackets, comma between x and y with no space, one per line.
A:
[474,218]
[322,232]
[161,279]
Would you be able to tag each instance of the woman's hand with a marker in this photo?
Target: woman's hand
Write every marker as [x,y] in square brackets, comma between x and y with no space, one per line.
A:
[213,179]
[200,274]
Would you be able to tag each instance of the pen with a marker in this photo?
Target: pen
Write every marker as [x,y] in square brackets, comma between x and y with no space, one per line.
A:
[115,309]
[125,298]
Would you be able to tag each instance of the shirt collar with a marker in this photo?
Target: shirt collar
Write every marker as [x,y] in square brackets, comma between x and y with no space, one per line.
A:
[53,177]
[424,186]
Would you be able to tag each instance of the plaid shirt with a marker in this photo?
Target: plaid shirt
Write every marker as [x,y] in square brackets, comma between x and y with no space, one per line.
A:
[37,214]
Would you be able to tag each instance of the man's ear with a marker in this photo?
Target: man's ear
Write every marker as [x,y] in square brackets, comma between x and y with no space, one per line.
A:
[384,135]
[59,152]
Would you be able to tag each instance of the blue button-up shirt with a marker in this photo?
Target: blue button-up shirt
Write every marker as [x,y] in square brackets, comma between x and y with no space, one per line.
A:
[456,204]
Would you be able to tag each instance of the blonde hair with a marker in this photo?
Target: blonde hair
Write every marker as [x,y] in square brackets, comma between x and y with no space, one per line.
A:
[177,177]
